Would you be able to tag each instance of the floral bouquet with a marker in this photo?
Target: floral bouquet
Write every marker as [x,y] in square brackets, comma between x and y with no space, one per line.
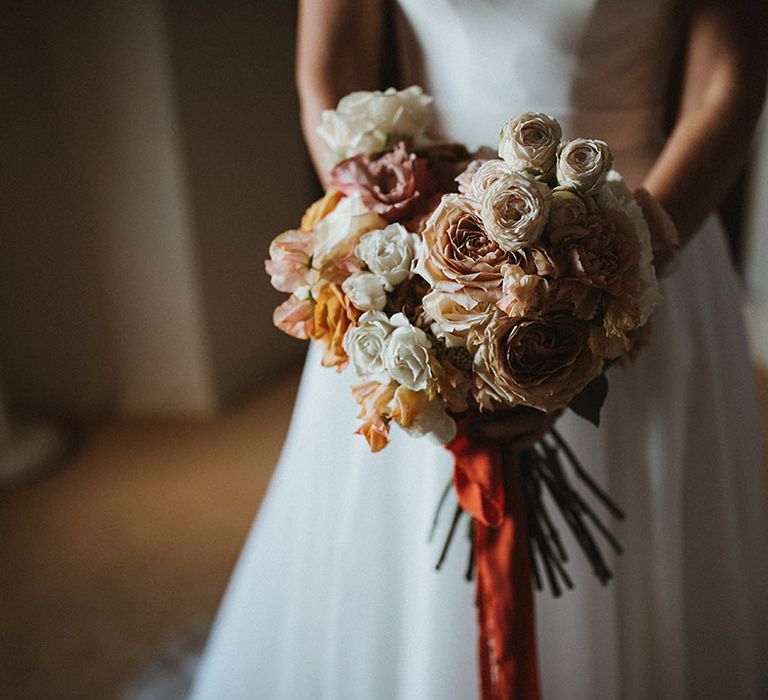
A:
[456,284]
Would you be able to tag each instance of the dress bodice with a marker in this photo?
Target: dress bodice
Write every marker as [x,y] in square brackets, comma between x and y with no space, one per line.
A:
[600,66]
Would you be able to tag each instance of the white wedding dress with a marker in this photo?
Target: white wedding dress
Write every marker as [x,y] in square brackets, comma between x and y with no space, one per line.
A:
[336,596]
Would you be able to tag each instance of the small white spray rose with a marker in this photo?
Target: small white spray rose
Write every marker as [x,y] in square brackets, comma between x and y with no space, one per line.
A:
[366,291]
[388,253]
[365,344]
[406,356]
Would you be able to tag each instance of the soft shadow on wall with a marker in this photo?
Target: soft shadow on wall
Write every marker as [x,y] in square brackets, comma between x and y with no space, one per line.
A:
[151,150]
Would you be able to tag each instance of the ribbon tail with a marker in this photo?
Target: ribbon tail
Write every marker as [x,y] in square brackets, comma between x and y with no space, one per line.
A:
[489,489]
[507,640]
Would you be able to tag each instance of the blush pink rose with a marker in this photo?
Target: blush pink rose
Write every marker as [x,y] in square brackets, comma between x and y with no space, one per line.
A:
[290,263]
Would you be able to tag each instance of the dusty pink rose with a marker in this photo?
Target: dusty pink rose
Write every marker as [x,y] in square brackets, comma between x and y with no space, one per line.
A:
[598,253]
[290,263]
[295,317]
[457,256]
[391,185]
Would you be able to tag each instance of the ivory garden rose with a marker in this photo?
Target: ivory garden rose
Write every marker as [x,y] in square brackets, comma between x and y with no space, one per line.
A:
[369,122]
[583,164]
[456,255]
[529,143]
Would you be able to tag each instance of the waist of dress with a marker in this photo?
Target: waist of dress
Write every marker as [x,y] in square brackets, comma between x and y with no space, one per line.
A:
[633,130]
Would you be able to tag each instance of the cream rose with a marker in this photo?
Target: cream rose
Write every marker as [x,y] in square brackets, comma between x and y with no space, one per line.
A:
[483,175]
[366,291]
[582,165]
[539,360]
[389,254]
[529,142]
[514,211]
[369,122]
[366,342]
[339,232]
[406,355]
[568,209]
[453,322]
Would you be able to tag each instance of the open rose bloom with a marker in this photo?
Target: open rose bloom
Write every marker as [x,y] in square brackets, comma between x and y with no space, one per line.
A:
[450,282]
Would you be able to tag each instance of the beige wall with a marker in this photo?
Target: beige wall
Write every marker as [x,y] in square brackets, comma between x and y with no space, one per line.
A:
[137,199]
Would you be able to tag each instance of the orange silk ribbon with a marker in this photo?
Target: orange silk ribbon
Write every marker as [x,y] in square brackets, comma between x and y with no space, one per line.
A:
[488,488]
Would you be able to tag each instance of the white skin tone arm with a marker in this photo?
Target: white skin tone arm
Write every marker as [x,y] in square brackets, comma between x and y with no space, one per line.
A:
[722,94]
[340,49]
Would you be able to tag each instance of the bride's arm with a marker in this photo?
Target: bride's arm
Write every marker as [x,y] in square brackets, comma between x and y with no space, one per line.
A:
[339,49]
[723,90]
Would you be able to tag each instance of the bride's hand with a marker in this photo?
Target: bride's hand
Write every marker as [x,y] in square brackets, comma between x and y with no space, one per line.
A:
[665,240]
[518,428]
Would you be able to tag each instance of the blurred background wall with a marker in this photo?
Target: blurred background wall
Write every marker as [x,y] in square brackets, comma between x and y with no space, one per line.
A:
[756,247]
[149,151]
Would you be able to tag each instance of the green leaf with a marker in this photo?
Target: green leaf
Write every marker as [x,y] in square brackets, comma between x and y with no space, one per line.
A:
[588,403]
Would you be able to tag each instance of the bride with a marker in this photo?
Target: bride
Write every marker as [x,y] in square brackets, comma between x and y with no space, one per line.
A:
[335,595]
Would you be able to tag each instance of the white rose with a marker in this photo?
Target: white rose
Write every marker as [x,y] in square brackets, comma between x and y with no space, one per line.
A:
[365,290]
[514,211]
[369,122]
[338,233]
[453,322]
[582,165]
[388,253]
[529,142]
[406,356]
[365,344]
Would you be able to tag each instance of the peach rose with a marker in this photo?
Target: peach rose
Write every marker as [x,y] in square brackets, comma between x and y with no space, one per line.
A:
[521,291]
[334,314]
[337,234]
[451,321]
[320,209]
[539,360]
[295,317]
[457,256]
